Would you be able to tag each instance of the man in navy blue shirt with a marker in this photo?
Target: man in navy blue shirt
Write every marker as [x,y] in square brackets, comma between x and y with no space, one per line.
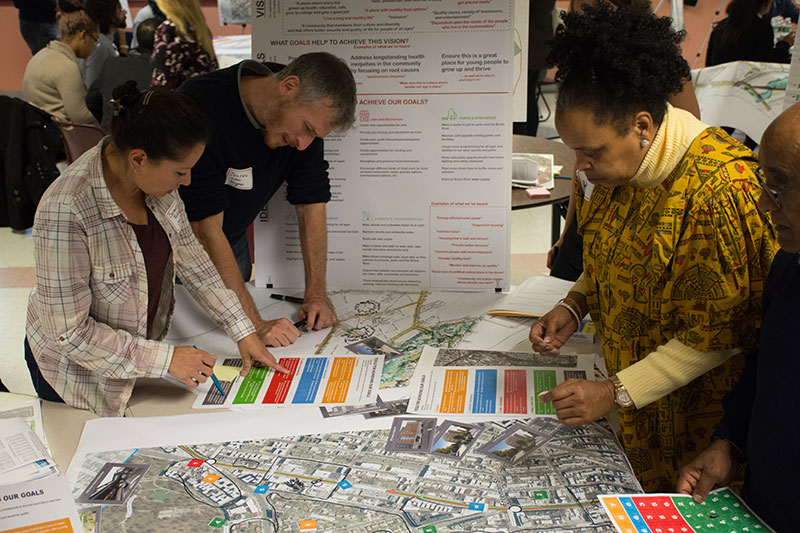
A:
[268,124]
[760,425]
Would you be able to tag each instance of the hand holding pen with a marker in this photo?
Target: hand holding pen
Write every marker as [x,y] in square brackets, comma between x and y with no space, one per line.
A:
[314,309]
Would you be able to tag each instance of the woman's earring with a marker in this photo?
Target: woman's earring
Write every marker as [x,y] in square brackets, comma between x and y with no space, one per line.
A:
[644,143]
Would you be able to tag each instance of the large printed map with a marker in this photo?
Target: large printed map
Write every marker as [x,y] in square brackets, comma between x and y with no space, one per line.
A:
[404,320]
[743,94]
[348,482]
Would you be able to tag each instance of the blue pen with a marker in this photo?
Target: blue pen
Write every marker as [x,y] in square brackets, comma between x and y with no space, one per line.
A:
[214,378]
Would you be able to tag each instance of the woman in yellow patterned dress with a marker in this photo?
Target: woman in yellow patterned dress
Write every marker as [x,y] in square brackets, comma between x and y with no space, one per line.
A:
[675,251]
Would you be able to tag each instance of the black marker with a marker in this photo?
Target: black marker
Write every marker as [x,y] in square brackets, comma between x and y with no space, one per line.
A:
[283,298]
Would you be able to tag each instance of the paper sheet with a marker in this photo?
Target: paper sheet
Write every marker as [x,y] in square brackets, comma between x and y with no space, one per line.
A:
[43,505]
[19,445]
[452,382]
[352,380]
[534,297]
[31,412]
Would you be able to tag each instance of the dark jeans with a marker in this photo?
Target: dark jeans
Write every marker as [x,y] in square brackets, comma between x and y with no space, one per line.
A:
[37,34]
[43,388]
[568,263]
[241,251]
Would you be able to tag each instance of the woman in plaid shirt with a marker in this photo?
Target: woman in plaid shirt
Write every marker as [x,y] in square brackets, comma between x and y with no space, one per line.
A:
[110,235]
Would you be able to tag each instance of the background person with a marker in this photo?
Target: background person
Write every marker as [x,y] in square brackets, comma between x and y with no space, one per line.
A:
[118,70]
[52,80]
[110,235]
[760,422]
[675,251]
[786,9]
[746,35]
[147,12]
[37,22]
[109,16]
[183,46]
[268,129]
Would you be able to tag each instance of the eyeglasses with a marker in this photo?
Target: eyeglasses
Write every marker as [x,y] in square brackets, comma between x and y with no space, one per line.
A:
[95,37]
[774,194]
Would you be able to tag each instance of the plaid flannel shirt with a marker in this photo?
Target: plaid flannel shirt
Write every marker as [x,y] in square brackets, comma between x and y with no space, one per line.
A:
[87,314]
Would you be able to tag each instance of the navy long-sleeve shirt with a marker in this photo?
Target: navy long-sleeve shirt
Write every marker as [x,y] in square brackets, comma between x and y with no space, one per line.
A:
[762,413]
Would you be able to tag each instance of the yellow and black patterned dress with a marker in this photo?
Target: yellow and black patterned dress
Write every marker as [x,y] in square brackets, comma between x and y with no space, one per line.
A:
[684,260]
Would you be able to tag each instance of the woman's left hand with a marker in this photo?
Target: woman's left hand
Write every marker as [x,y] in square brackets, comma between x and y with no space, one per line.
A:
[579,401]
[253,350]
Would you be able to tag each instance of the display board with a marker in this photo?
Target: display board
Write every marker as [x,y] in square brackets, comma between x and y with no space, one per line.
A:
[421,186]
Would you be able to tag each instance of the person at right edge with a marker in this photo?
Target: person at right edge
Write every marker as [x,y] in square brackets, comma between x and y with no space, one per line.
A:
[760,425]
[675,250]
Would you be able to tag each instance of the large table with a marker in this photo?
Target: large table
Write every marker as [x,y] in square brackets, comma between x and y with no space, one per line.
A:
[559,195]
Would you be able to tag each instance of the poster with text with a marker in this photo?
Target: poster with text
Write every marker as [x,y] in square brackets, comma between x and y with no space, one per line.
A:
[308,381]
[421,185]
[482,382]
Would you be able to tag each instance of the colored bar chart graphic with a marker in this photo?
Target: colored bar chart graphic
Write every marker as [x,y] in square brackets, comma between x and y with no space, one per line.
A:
[722,510]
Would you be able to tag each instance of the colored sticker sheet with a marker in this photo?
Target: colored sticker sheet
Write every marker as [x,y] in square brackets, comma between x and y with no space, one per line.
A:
[722,510]
[320,380]
[480,382]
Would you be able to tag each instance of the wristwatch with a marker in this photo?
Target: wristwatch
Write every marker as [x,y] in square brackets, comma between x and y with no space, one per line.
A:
[621,395]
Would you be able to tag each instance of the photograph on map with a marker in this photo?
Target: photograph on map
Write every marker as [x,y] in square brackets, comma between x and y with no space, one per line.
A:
[90,519]
[114,484]
[374,346]
[454,439]
[342,410]
[511,446]
[411,435]
[390,408]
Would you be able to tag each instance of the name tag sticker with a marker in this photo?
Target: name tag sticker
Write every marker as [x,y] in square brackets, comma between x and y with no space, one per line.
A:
[586,185]
[174,215]
[240,178]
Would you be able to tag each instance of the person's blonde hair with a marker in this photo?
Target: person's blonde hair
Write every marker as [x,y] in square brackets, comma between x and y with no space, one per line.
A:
[190,21]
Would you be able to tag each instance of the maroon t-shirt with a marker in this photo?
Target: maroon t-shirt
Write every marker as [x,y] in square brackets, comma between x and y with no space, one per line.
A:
[156,249]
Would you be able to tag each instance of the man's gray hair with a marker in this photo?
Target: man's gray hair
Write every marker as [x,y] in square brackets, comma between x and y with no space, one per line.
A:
[323,75]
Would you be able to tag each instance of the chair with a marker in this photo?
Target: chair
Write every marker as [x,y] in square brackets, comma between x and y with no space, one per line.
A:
[78,138]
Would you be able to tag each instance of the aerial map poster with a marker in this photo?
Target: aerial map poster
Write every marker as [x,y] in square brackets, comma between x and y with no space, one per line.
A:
[514,475]
[421,185]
